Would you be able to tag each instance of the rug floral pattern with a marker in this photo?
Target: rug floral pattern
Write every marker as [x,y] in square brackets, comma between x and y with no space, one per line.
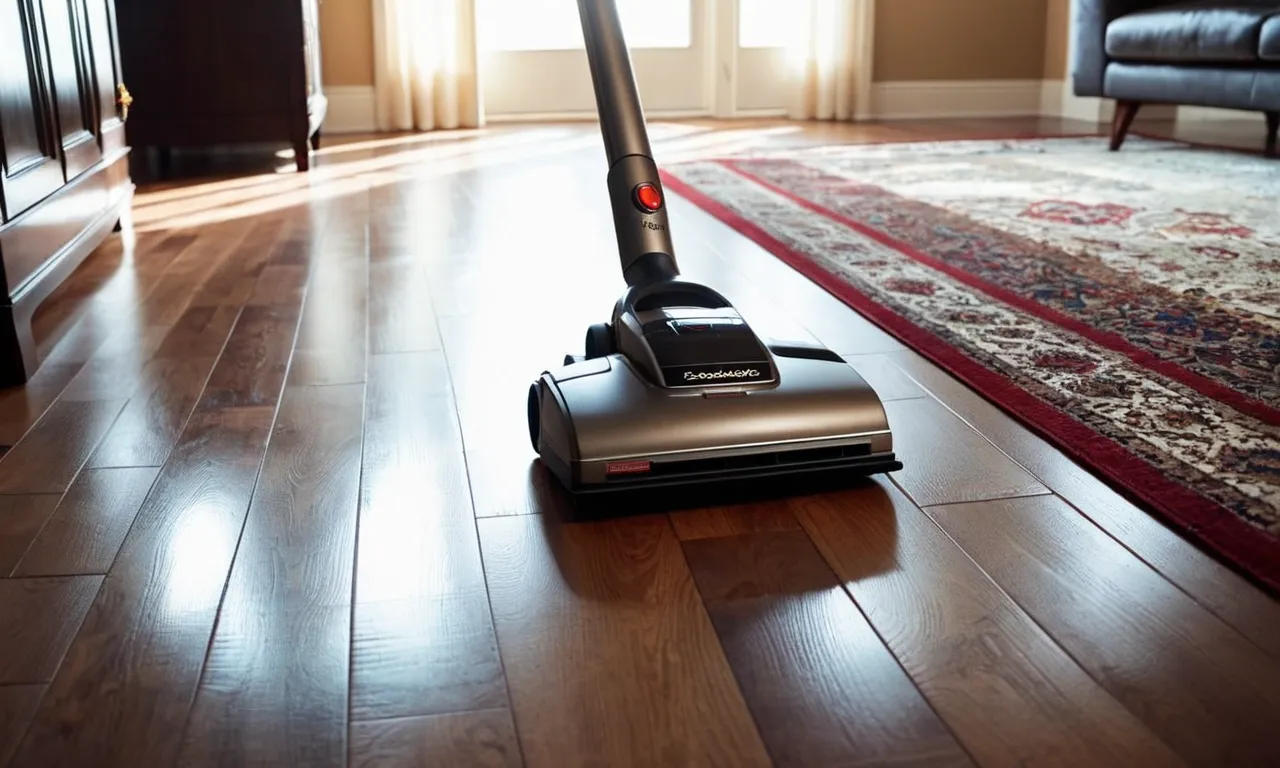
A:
[1134,294]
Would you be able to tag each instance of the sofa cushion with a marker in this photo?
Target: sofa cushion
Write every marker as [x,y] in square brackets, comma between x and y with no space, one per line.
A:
[1191,32]
[1269,42]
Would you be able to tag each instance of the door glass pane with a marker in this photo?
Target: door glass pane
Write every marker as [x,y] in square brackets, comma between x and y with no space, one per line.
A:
[772,23]
[553,25]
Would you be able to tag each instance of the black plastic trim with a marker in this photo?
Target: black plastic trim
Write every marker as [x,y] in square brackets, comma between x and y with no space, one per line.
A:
[806,353]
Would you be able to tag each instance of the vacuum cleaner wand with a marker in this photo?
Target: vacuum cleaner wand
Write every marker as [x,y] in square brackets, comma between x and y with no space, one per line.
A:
[635,189]
[621,116]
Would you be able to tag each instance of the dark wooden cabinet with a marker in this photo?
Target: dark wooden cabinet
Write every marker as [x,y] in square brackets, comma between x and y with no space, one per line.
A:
[213,74]
[64,178]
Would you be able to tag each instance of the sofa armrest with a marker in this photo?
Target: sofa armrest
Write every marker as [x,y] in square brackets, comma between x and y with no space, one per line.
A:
[1089,20]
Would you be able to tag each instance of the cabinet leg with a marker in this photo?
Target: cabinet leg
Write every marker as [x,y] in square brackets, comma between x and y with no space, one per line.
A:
[315,140]
[302,155]
[1126,111]
[1273,128]
[18,356]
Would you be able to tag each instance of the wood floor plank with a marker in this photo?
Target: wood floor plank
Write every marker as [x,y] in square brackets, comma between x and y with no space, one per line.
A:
[279,284]
[243,257]
[1128,627]
[17,706]
[21,518]
[146,634]
[252,369]
[1215,586]
[1009,694]
[172,293]
[40,618]
[946,462]
[610,614]
[734,520]
[423,641]
[822,687]
[151,422]
[199,332]
[21,407]
[48,457]
[508,481]
[274,686]
[485,739]
[888,380]
[85,532]
[117,374]
[333,335]
[401,318]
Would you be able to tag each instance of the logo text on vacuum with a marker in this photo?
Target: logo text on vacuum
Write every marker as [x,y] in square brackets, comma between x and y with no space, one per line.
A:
[741,373]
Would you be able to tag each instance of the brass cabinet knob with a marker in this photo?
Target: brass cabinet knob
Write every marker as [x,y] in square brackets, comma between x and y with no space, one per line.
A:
[125,99]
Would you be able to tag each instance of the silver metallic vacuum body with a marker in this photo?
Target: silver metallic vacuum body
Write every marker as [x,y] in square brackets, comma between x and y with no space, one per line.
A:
[678,390]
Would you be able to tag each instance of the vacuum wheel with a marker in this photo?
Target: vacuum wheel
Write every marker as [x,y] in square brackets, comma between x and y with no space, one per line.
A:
[534,408]
[600,341]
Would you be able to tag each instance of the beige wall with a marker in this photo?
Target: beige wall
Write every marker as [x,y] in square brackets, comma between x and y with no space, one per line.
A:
[915,40]
[346,41]
[1057,29]
[959,40]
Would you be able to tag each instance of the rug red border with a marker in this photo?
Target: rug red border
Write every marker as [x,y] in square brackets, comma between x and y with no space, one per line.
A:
[1203,519]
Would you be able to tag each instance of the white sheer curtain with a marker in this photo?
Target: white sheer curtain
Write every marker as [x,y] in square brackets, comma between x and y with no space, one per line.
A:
[833,72]
[425,65]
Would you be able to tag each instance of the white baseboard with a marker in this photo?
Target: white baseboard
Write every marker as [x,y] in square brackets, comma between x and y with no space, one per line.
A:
[1051,94]
[1209,114]
[916,100]
[352,109]
[554,117]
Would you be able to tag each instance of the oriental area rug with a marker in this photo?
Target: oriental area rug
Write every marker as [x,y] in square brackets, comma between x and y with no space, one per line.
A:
[1125,306]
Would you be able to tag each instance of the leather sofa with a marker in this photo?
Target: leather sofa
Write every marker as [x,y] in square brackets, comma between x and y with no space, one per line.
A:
[1208,54]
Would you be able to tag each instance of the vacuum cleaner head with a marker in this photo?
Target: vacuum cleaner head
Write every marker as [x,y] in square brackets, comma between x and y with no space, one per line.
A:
[678,390]
[691,395]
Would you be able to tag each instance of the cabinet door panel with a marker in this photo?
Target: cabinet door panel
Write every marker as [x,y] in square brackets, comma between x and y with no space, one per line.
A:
[106,70]
[32,167]
[71,88]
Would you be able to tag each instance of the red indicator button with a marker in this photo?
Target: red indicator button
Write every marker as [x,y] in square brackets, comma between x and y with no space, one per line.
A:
[648,197]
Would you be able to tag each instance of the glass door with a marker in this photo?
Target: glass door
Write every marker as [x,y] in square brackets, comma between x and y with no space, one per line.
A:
[534,63]
[766,36]
[691,57]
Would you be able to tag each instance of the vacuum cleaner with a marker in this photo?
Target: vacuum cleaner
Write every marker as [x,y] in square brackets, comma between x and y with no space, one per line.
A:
[677,390]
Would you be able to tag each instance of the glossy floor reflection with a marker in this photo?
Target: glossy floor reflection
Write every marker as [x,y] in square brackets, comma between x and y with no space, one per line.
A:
[270,500]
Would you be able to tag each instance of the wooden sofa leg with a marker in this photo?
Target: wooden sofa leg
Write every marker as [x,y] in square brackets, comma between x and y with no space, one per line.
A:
[1126,111]
[1273,128]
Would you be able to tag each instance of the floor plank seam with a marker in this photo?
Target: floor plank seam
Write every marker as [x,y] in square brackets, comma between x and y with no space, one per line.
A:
[944,504]
[18,562]
[475,521]
[1045,632]
[884,642]
[705,613]
[257,477]
[1092,520]
[186,421]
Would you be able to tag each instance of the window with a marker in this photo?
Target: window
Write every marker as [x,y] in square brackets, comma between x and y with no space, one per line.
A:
[771,23]
[554,25]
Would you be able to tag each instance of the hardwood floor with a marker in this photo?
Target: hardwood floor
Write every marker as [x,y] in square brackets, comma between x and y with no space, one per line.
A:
[271,501]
